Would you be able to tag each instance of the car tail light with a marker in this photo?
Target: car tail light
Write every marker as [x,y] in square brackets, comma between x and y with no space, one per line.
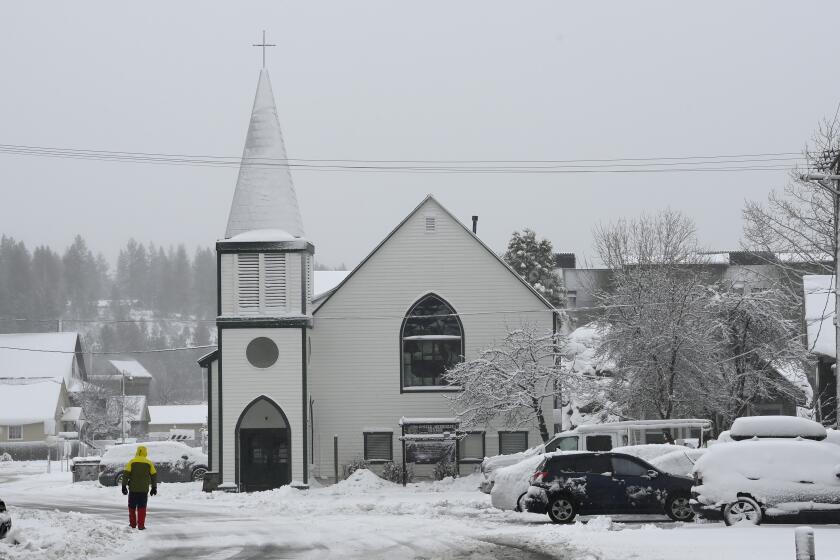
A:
[539,476]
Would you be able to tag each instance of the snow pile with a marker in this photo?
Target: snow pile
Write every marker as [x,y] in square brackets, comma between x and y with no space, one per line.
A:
[48,535]
[361,481]
[776,426]
[649,451]
[581,349]
[680,462]
[790,475]
[513,481]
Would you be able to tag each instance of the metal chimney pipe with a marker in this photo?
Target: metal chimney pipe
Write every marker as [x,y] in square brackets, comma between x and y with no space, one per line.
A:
[475,224]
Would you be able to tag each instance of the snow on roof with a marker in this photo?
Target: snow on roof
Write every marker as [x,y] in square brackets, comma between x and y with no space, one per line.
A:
[643,424]
[819,314]
[326,280]
[797,375]
[776,427]
[44,355]
[29,403]
[72,414]
[406,421]
[264,235]
[131,367]
[178,414]
[265,197]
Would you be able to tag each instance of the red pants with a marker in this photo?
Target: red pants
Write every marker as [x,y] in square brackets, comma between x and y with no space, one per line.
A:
[137,517]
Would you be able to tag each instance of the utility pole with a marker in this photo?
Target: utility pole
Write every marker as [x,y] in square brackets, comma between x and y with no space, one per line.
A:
[831,182]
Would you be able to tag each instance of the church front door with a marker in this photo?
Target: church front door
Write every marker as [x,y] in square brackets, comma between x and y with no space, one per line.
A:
[264,458]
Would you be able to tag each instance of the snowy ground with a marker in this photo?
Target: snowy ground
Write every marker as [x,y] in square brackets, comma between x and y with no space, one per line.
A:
[364,517]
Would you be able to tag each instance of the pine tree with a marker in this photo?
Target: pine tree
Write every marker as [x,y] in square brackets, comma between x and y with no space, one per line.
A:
[533,260]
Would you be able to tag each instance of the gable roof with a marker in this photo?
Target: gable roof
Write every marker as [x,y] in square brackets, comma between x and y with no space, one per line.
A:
[428,198]
[131,367]
[264,201]
[41,356]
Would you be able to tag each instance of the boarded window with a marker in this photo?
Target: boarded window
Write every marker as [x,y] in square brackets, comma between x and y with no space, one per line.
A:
[378,446]
[512,442]
[248,279]
[275,281]
[471,448]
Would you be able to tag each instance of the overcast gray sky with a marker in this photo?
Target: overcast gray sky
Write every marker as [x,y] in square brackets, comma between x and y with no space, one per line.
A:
[391,80]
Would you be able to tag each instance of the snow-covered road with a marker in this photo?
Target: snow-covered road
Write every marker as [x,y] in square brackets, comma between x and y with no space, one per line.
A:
[363,517]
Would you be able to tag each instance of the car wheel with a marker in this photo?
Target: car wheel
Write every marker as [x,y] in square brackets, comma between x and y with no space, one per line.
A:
[678,508]
[198,473]
[562,510]
[744,511]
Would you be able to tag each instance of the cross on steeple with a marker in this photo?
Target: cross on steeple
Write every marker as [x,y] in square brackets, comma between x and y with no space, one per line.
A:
[263,45]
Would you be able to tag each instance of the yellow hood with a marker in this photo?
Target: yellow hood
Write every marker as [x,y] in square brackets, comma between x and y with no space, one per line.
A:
[142,451]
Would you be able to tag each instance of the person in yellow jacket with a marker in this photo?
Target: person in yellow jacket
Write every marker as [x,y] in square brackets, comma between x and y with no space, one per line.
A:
[139,474]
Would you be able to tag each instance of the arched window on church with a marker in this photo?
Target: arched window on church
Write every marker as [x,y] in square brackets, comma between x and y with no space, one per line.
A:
[432,341]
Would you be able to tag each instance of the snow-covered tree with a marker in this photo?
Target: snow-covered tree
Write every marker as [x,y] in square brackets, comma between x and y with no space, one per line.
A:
[515,381]
[755,344]
[653,314]
[533,260]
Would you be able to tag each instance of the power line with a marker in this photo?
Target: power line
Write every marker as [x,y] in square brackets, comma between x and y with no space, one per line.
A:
[112,353]
[771,161]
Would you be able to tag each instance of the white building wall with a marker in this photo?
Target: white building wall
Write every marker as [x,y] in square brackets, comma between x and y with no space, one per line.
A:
[355,367]
[228,283]
[214,415]
[242,383]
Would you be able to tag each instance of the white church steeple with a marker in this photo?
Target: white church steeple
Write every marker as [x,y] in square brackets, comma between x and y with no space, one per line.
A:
[265,198]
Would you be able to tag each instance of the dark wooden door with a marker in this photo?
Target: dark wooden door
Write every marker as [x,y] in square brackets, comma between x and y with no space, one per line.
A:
[264,458]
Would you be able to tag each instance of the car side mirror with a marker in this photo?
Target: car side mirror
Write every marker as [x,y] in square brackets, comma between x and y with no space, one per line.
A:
[652,473]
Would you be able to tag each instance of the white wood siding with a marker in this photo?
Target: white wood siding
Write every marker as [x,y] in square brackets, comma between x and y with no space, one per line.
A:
[242,383]
[228,283]
[214,415]
[355,367]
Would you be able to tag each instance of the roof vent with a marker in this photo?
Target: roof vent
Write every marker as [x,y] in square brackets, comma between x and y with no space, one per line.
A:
[430,224]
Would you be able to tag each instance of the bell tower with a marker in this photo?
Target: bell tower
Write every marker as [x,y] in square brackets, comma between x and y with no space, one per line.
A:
[265,299]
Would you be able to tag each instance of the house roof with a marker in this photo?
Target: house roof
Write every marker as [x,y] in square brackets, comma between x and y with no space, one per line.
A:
[819,314]
[72,414]
[39,356]
[265,197]
[29,403]
[178,414]
[428,198]
[131,367]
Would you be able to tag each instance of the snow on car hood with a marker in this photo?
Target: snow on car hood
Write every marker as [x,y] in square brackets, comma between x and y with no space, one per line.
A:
[773,471]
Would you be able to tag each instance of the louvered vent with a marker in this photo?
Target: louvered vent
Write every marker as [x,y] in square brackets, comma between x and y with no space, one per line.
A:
[248,280]
[275,281]
[430,224]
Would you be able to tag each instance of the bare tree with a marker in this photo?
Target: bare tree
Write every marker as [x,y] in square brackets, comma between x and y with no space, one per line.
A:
[798,224]
[515,381]
[93,399]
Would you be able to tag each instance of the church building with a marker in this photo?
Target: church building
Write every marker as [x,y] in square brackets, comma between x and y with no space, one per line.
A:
[303,384]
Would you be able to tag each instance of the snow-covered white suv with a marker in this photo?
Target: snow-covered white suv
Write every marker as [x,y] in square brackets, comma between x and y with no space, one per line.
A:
[744,481]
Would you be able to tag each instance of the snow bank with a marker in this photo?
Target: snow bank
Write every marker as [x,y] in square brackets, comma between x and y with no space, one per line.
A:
[48,535]
[648,452]
[680,462]
[776,426]
[361,481]
[774,471]
[513,481]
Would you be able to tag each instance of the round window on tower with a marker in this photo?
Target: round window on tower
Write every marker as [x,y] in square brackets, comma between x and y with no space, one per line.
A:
[262,352]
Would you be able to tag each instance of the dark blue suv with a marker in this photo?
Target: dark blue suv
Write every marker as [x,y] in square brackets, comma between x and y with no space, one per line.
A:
[567,484]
